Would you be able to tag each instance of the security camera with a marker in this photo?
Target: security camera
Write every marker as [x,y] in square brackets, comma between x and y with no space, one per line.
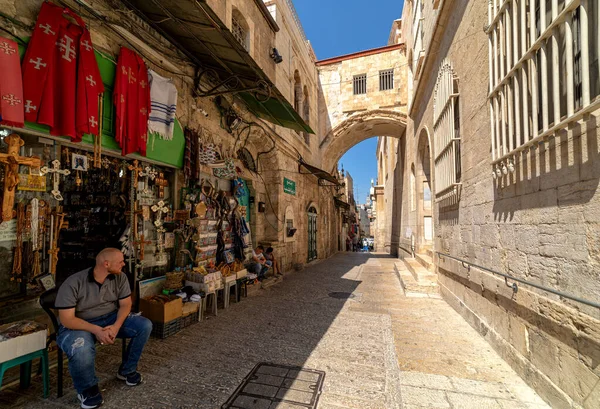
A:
[276,56]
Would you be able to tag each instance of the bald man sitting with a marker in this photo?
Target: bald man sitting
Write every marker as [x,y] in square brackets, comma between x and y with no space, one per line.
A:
[94,305]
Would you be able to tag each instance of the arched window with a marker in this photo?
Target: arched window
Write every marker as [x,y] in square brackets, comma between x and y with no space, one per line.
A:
[306,113]
[297,92]
[240,29]
[446,133]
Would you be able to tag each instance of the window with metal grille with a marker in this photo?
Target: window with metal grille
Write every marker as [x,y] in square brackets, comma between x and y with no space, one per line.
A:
[386,80]
[360,84]
[446,133]
[247,159]
[543,71]
[418,37]
[239,32]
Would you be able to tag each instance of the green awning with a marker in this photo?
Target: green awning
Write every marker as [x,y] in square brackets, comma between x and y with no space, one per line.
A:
[196,30]
[319,173]
[278,111]
[341,204]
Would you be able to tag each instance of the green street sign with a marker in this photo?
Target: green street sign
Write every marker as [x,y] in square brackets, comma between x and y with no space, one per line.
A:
[289,186]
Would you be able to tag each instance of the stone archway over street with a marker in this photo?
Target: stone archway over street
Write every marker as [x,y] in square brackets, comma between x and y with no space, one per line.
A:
[357,128]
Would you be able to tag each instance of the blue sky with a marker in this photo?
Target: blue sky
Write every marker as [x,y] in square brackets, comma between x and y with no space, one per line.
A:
[338,27]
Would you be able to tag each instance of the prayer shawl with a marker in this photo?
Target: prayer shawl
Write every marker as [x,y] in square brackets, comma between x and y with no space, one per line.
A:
[61,79]
[11,85]
[132,102]
[164,103]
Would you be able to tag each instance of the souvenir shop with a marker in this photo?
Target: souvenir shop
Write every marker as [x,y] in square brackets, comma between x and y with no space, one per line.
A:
[93,156]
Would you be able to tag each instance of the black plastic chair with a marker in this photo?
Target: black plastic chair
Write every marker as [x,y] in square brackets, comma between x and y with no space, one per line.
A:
[47,301]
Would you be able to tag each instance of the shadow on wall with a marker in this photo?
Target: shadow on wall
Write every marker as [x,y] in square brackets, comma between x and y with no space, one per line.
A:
[586,346]
[324,120]
[396,229]
[561,172]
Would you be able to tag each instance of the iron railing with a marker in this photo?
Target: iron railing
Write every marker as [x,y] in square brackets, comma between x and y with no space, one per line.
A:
[515,287]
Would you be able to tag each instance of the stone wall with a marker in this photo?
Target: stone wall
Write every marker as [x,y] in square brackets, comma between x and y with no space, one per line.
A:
[336,78]
[539,224]
[296,55]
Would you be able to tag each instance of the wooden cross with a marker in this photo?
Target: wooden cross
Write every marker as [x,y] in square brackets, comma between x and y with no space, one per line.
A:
[134,215]
[141,243]
[135,171]
[56,172]
[12,161]
[57,222]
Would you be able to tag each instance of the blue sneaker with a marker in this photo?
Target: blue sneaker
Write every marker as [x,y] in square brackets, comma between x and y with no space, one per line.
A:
[90,400]
[132,379]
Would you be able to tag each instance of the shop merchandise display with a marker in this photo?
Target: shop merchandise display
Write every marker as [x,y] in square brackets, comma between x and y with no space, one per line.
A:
[11,88]
[132,102]
[61,79]
[64,202]
[163,96]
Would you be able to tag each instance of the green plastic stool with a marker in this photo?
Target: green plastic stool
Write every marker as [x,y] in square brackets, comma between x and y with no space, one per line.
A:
[25,362]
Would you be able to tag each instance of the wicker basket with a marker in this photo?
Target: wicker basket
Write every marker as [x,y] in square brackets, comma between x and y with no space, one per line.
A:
[174,280]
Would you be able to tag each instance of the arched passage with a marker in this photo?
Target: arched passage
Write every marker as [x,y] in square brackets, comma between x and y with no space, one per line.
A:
[357,128]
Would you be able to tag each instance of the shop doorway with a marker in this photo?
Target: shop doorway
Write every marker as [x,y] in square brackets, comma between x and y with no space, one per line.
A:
[312,234]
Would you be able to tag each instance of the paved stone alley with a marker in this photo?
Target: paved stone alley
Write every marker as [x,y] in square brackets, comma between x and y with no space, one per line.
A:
[378,349]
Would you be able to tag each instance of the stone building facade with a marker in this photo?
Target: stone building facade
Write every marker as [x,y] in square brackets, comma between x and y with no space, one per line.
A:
[475,190]
[362,95]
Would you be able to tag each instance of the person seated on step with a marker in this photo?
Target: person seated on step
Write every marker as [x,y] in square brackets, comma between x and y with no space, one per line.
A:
[94,305]
[270,256]
[261,264]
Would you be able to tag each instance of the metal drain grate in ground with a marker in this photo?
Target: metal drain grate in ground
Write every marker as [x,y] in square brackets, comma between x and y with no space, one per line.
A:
[341,295]
[271,386]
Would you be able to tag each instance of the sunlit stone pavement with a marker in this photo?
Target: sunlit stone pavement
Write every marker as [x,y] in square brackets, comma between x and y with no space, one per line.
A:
[378,349]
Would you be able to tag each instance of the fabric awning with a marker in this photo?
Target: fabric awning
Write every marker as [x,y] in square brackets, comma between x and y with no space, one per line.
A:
[278,111]
[320,173]
[341,203]
[193,27]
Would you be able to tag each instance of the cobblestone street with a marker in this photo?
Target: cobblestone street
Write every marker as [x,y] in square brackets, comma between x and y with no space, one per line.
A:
[378,349]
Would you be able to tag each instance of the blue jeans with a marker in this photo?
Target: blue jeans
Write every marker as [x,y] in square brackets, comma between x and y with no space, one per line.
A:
[261,269]
[80,347]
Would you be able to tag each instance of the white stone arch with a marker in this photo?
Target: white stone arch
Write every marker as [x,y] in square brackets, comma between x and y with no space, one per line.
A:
[357,128]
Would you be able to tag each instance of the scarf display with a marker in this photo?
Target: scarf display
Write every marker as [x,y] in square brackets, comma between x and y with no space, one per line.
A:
[225,169]
[163,95]
[11,85]
[60,71]
[132,102]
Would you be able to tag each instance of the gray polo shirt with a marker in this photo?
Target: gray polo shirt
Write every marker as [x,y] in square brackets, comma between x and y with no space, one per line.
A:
[90,298]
